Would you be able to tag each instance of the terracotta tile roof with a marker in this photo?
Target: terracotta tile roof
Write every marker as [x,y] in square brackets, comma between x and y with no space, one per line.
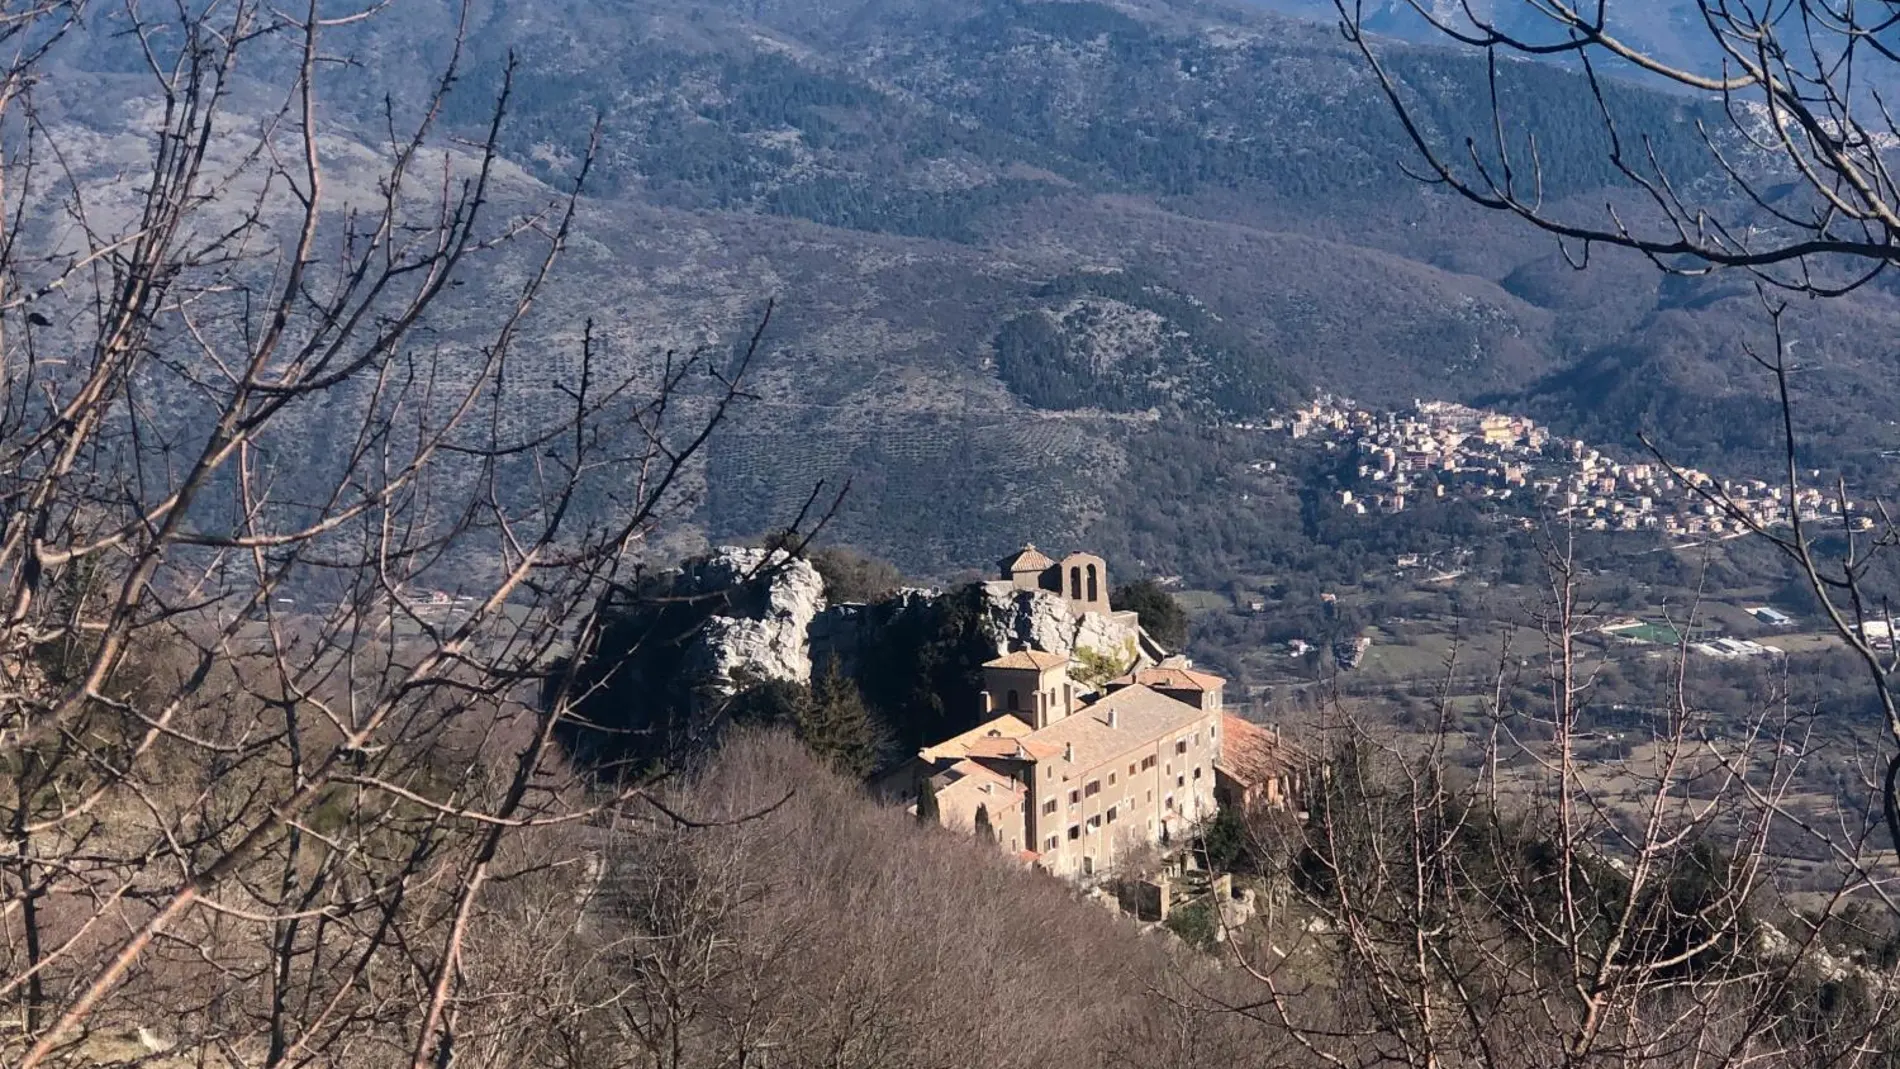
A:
[1170,679]
[1252,754]
[980,777]
[1012,749]
[958,746]
[966,785]
[1028,558]
[1036,659]
[1003,749]
[1142,716]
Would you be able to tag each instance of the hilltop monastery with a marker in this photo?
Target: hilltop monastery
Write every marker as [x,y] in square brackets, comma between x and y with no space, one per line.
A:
[1072,780]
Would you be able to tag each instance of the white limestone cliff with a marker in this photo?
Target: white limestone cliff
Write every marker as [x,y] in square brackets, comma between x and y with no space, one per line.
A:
[764,630]
[775,629]
[1016,619]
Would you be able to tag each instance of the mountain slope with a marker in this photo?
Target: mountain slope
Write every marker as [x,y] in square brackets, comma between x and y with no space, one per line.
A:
[907,179]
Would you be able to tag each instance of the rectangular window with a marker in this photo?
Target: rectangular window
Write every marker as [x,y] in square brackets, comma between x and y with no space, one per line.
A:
[1075,832]
[1180,746]
[1111,814]
[1095,824]
[1111,779]
[1180,781]
[1197,772]
[1052,843]
[1093,788]
[1131,768]
[1088,866]
[1151,797]
[1147,762]
[1074,797]
[1049,807]
[1170,808]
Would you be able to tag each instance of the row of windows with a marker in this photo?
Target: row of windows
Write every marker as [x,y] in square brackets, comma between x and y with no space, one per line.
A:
[1049,807]
[1092,825]
[1181,744]
[1094,787]
[1013,701]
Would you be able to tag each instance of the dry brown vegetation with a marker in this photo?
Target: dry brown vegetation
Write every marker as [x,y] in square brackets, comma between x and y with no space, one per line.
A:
[259,782]
[831,931]
[1494,897]
[263,806]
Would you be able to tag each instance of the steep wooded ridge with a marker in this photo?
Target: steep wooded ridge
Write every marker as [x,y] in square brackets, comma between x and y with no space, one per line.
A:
[1002,234]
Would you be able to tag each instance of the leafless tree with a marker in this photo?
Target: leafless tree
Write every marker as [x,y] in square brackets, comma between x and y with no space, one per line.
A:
[1799,185]
[1499,898]
[294,545]
[833,932]
[1797,189]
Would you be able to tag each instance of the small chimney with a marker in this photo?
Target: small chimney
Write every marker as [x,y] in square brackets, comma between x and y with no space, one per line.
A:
[1114,719]
[1068,751]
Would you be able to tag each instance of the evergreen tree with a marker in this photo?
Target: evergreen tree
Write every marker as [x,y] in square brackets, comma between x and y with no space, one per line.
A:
[1225,841]
[837,727]
[927,803]
[984,832]
[1161,616]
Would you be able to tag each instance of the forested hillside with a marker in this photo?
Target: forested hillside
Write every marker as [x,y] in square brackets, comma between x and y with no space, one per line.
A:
[927,190]
[363,370]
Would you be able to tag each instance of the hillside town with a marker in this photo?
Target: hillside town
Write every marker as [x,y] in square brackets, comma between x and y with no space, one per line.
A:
[1440,449]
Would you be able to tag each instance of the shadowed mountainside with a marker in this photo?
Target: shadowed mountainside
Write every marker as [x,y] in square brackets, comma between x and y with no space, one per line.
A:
[1009,242]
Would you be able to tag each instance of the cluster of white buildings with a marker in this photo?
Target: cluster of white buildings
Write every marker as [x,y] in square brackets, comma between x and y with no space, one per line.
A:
[1440,449]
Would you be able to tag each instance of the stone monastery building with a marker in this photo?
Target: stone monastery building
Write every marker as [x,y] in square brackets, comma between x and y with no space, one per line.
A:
[1071,780]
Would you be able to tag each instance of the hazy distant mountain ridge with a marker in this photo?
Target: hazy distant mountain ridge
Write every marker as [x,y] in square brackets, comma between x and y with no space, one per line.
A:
[1671,30]
[1202,209]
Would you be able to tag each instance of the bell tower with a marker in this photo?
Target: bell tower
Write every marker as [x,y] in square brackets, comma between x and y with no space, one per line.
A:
[1030,685]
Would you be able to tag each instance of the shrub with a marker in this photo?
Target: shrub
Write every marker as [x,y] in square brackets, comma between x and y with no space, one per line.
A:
[1195,923]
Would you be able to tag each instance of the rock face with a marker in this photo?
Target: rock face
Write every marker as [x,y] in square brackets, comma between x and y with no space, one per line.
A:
[1115,634]
[763,630]
[1016,619]
[845,632]
[779,628]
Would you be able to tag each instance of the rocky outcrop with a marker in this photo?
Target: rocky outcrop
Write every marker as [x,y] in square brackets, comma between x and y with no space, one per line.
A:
[779,627]
[1116,635]
[762,630]
[846,632]
[1015,619]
